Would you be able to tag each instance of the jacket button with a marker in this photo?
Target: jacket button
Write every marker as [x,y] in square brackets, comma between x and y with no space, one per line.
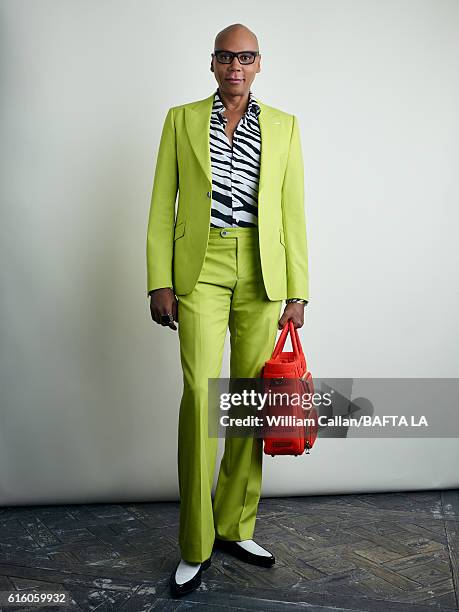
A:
[208,194]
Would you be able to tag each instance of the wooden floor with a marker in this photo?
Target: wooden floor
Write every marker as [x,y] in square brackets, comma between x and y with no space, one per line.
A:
[396,551]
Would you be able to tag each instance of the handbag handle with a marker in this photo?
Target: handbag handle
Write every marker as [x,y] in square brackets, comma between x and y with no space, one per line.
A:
[297,344]
[288,327]
[298,349]
[295,339]
[280,342]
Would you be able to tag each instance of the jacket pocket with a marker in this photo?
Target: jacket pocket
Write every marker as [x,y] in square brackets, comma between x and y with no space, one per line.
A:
[281,235]
[179,230]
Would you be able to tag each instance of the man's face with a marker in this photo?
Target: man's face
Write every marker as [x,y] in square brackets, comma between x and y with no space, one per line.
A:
[235,79]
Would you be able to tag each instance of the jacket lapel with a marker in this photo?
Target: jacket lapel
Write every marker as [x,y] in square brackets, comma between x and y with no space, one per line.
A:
[197,122]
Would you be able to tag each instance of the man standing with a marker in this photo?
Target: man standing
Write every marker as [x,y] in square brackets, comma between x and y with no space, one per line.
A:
[235,249]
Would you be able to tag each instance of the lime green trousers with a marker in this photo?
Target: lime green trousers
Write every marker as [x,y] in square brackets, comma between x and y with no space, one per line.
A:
[229,293]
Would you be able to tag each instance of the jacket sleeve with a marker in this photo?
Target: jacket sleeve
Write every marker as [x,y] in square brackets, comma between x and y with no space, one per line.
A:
[294,219]
[160,234]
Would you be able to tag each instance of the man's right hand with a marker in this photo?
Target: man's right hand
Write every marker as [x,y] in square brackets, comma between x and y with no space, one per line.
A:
[163,301]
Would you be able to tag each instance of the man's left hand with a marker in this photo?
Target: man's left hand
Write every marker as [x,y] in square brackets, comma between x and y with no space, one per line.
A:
[293,311]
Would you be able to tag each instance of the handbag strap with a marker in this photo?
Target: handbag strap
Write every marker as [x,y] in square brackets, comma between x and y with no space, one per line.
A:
[294,338]
[280,342]
[297,348]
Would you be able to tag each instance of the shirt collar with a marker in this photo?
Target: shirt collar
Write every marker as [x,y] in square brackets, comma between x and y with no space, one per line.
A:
[253,108]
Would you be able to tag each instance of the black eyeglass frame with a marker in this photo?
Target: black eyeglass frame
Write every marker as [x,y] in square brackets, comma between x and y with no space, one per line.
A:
[254,54]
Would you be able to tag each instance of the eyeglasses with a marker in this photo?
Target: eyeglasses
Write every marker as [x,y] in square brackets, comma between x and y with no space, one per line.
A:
[244,57]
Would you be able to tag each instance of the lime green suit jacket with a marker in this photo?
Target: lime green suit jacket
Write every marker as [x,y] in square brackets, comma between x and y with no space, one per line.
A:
[177,236]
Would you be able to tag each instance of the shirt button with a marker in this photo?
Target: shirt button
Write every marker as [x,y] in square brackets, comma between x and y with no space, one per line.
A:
[208,194]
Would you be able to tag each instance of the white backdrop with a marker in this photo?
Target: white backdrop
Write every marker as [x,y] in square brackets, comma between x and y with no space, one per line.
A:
[90,386]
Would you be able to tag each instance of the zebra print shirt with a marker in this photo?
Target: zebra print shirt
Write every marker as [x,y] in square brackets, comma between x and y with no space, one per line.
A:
[235,169]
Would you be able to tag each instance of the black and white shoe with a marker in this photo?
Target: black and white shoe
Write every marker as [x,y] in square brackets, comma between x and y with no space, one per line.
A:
[182,588]
[247,550]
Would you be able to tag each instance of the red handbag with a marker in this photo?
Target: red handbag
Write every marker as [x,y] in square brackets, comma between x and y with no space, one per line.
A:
[284,365]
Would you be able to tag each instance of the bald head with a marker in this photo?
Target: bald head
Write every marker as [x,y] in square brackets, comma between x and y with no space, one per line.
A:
[234,33]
